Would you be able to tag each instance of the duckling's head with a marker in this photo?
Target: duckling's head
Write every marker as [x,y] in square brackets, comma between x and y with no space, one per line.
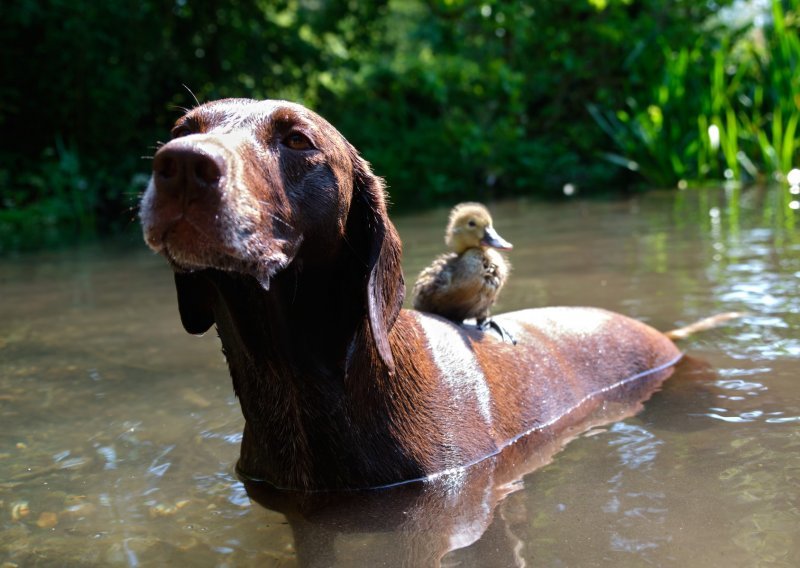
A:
[470,226]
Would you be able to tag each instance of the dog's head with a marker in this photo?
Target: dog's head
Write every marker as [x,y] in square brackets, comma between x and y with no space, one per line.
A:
[253,186]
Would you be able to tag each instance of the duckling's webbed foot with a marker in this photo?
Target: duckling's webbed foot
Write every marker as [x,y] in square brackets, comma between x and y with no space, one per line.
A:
[486,323]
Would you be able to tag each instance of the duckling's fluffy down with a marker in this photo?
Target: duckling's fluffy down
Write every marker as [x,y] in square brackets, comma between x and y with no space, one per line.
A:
[461,286]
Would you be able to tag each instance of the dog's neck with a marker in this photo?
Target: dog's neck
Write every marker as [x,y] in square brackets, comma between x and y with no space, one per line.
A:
[299,356]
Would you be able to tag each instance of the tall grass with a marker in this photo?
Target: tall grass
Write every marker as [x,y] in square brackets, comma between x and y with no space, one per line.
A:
[652,138]
[771,124]
[728,108]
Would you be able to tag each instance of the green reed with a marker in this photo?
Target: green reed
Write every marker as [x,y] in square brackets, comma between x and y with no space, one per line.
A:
[726,108]
[651,138]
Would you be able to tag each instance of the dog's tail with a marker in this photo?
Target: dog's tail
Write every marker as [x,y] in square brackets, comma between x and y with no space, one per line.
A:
[703,324]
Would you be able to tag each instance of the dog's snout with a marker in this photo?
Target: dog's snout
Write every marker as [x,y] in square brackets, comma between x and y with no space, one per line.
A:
[190,170]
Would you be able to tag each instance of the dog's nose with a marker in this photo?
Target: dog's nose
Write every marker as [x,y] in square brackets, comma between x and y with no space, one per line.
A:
[191,170]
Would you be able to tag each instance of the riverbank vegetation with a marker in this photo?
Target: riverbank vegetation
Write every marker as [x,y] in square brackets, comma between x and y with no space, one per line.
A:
[449,99]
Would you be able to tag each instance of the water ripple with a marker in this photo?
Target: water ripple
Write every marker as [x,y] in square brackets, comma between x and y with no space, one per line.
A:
[159,469]
[638,447]
[739,385]
[759,416]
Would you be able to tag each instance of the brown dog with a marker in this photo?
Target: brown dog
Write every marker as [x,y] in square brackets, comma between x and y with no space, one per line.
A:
[278,233]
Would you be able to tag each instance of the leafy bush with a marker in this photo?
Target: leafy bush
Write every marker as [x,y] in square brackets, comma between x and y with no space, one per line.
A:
[450,99]
[725,108]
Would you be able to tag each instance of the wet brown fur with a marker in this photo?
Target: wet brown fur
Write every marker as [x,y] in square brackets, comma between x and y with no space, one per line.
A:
[284,243]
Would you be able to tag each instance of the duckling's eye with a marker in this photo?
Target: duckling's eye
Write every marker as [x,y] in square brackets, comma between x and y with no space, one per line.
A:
[471,223]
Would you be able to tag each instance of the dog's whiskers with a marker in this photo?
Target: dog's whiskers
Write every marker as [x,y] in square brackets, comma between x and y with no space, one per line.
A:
[183,109]
[196,101]
[277,218]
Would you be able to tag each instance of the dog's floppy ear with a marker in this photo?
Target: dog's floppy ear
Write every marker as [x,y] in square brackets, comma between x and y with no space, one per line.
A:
[193,302]
[385,287]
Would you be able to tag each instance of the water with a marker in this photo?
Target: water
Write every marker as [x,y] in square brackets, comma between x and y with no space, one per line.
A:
[118,431]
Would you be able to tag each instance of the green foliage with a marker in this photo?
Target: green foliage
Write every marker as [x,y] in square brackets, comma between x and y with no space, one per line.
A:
[57,190]
[653,140]
[739,120]
[486,99]
[449,99]
[770,110]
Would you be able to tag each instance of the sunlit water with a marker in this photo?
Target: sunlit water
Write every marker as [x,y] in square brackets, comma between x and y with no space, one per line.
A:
[119,432]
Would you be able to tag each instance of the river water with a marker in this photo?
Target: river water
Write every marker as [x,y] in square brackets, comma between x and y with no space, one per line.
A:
[119,432]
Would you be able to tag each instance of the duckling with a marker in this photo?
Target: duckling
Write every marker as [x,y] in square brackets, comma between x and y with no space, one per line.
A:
[465,283]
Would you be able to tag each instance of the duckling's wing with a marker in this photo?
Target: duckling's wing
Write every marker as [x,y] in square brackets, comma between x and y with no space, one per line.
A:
[449,286]
[440,289]
[482,273]
[435,276]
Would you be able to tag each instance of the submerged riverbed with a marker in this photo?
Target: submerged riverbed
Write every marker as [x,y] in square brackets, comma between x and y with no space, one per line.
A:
[119,432]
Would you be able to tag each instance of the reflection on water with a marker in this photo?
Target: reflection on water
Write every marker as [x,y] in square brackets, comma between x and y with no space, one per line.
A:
[118,432]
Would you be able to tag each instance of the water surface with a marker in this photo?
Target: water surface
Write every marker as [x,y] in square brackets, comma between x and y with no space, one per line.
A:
[119,432]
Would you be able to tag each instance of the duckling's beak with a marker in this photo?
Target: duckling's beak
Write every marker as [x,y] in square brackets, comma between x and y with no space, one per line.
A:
[492,239]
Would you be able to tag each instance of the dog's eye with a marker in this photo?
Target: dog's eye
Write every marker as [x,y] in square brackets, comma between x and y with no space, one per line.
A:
[297,141]
[180,131]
